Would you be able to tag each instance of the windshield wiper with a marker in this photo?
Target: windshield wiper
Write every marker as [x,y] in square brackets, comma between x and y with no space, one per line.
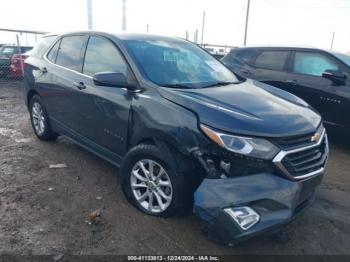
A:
[220,84]
[177,86]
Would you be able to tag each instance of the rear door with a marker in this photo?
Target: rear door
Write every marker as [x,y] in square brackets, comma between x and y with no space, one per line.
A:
[306,81]
[58,80]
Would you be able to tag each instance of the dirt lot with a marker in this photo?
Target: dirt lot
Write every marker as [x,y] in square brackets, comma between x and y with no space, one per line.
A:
[43,210]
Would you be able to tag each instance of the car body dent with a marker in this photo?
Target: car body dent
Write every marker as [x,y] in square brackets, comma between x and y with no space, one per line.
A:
[165,123]
[277,200]
[225,108]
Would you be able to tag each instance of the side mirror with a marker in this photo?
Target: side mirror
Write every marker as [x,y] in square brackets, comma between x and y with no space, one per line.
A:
[335,76]
[112,79]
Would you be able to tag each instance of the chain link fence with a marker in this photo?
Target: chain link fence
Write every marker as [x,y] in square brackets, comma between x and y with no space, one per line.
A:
[15,47]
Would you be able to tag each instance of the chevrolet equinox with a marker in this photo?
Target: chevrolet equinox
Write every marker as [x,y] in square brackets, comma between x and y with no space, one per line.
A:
[184,131]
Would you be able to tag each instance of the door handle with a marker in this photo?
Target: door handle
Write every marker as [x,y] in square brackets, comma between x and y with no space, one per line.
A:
[293,82]
[43,70]
[79,85]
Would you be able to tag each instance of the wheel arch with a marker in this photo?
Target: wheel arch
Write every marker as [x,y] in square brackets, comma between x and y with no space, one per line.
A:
[186,165]
[30,94]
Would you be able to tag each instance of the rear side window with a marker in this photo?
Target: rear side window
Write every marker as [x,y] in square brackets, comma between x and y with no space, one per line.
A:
[69,53]
[274,60]
[42,46]
[102,56]
[312,63]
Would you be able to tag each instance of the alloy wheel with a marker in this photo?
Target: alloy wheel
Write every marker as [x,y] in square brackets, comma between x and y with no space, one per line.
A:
[38,118]
[151,186]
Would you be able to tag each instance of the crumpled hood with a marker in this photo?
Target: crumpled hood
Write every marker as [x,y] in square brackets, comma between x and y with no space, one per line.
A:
[248,108]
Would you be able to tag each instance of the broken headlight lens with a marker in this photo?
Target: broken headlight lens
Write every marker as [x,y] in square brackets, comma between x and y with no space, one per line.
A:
[248,146]
[245,217]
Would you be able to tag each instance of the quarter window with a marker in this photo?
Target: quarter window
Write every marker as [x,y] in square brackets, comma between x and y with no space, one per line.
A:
[53,52]
[102,56]
[312,64]
[274,60]
[69,53]
[42,46]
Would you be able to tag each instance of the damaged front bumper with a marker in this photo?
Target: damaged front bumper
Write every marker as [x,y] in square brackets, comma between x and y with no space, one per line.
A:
[275,199]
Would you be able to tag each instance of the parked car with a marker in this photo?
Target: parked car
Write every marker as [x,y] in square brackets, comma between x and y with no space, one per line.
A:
[6,53]
[218,56]
[17,65]
[319,77]
[182,128]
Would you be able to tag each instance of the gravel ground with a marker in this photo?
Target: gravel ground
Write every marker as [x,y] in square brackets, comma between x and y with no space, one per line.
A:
[43,210]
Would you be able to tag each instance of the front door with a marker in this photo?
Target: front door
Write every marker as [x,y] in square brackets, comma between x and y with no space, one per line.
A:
[103,110]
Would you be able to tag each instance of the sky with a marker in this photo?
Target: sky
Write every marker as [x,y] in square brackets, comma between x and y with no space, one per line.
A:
[271,22]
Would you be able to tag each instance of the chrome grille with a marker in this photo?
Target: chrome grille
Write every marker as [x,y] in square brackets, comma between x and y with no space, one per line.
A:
[305,161]
[289,143]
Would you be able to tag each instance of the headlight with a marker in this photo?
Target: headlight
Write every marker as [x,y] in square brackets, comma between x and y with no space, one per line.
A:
[252,147]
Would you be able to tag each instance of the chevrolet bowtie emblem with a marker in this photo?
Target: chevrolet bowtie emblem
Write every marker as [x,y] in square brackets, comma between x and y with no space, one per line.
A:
[316,137]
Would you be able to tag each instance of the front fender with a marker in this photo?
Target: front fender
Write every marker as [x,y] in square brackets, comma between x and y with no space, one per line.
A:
[155,118]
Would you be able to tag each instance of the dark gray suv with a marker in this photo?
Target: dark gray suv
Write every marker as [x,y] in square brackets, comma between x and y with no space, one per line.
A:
[181,127]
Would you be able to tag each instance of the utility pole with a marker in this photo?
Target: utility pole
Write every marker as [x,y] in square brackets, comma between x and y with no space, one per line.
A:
[89,14]
[332,41]
[186,34]
[203,27]
[124,16]
[147,28]
[195,36]
[246,24]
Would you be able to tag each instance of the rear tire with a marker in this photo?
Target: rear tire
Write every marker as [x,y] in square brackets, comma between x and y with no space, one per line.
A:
[40,120]
[170,195]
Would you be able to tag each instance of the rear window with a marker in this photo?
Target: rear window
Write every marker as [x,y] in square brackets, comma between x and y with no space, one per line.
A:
[42,46]
[69,53]
[274,60]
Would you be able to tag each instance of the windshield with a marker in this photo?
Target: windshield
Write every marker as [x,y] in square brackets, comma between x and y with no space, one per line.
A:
[177,63]
[344,58]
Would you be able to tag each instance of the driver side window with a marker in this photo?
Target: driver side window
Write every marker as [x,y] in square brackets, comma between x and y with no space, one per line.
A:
[102,56]
[312,64]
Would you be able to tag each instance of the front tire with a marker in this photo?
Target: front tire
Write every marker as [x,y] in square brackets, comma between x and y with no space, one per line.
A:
[151,183]
[40,120]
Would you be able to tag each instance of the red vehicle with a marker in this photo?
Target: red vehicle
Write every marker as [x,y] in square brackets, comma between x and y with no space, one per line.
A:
[18,65]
